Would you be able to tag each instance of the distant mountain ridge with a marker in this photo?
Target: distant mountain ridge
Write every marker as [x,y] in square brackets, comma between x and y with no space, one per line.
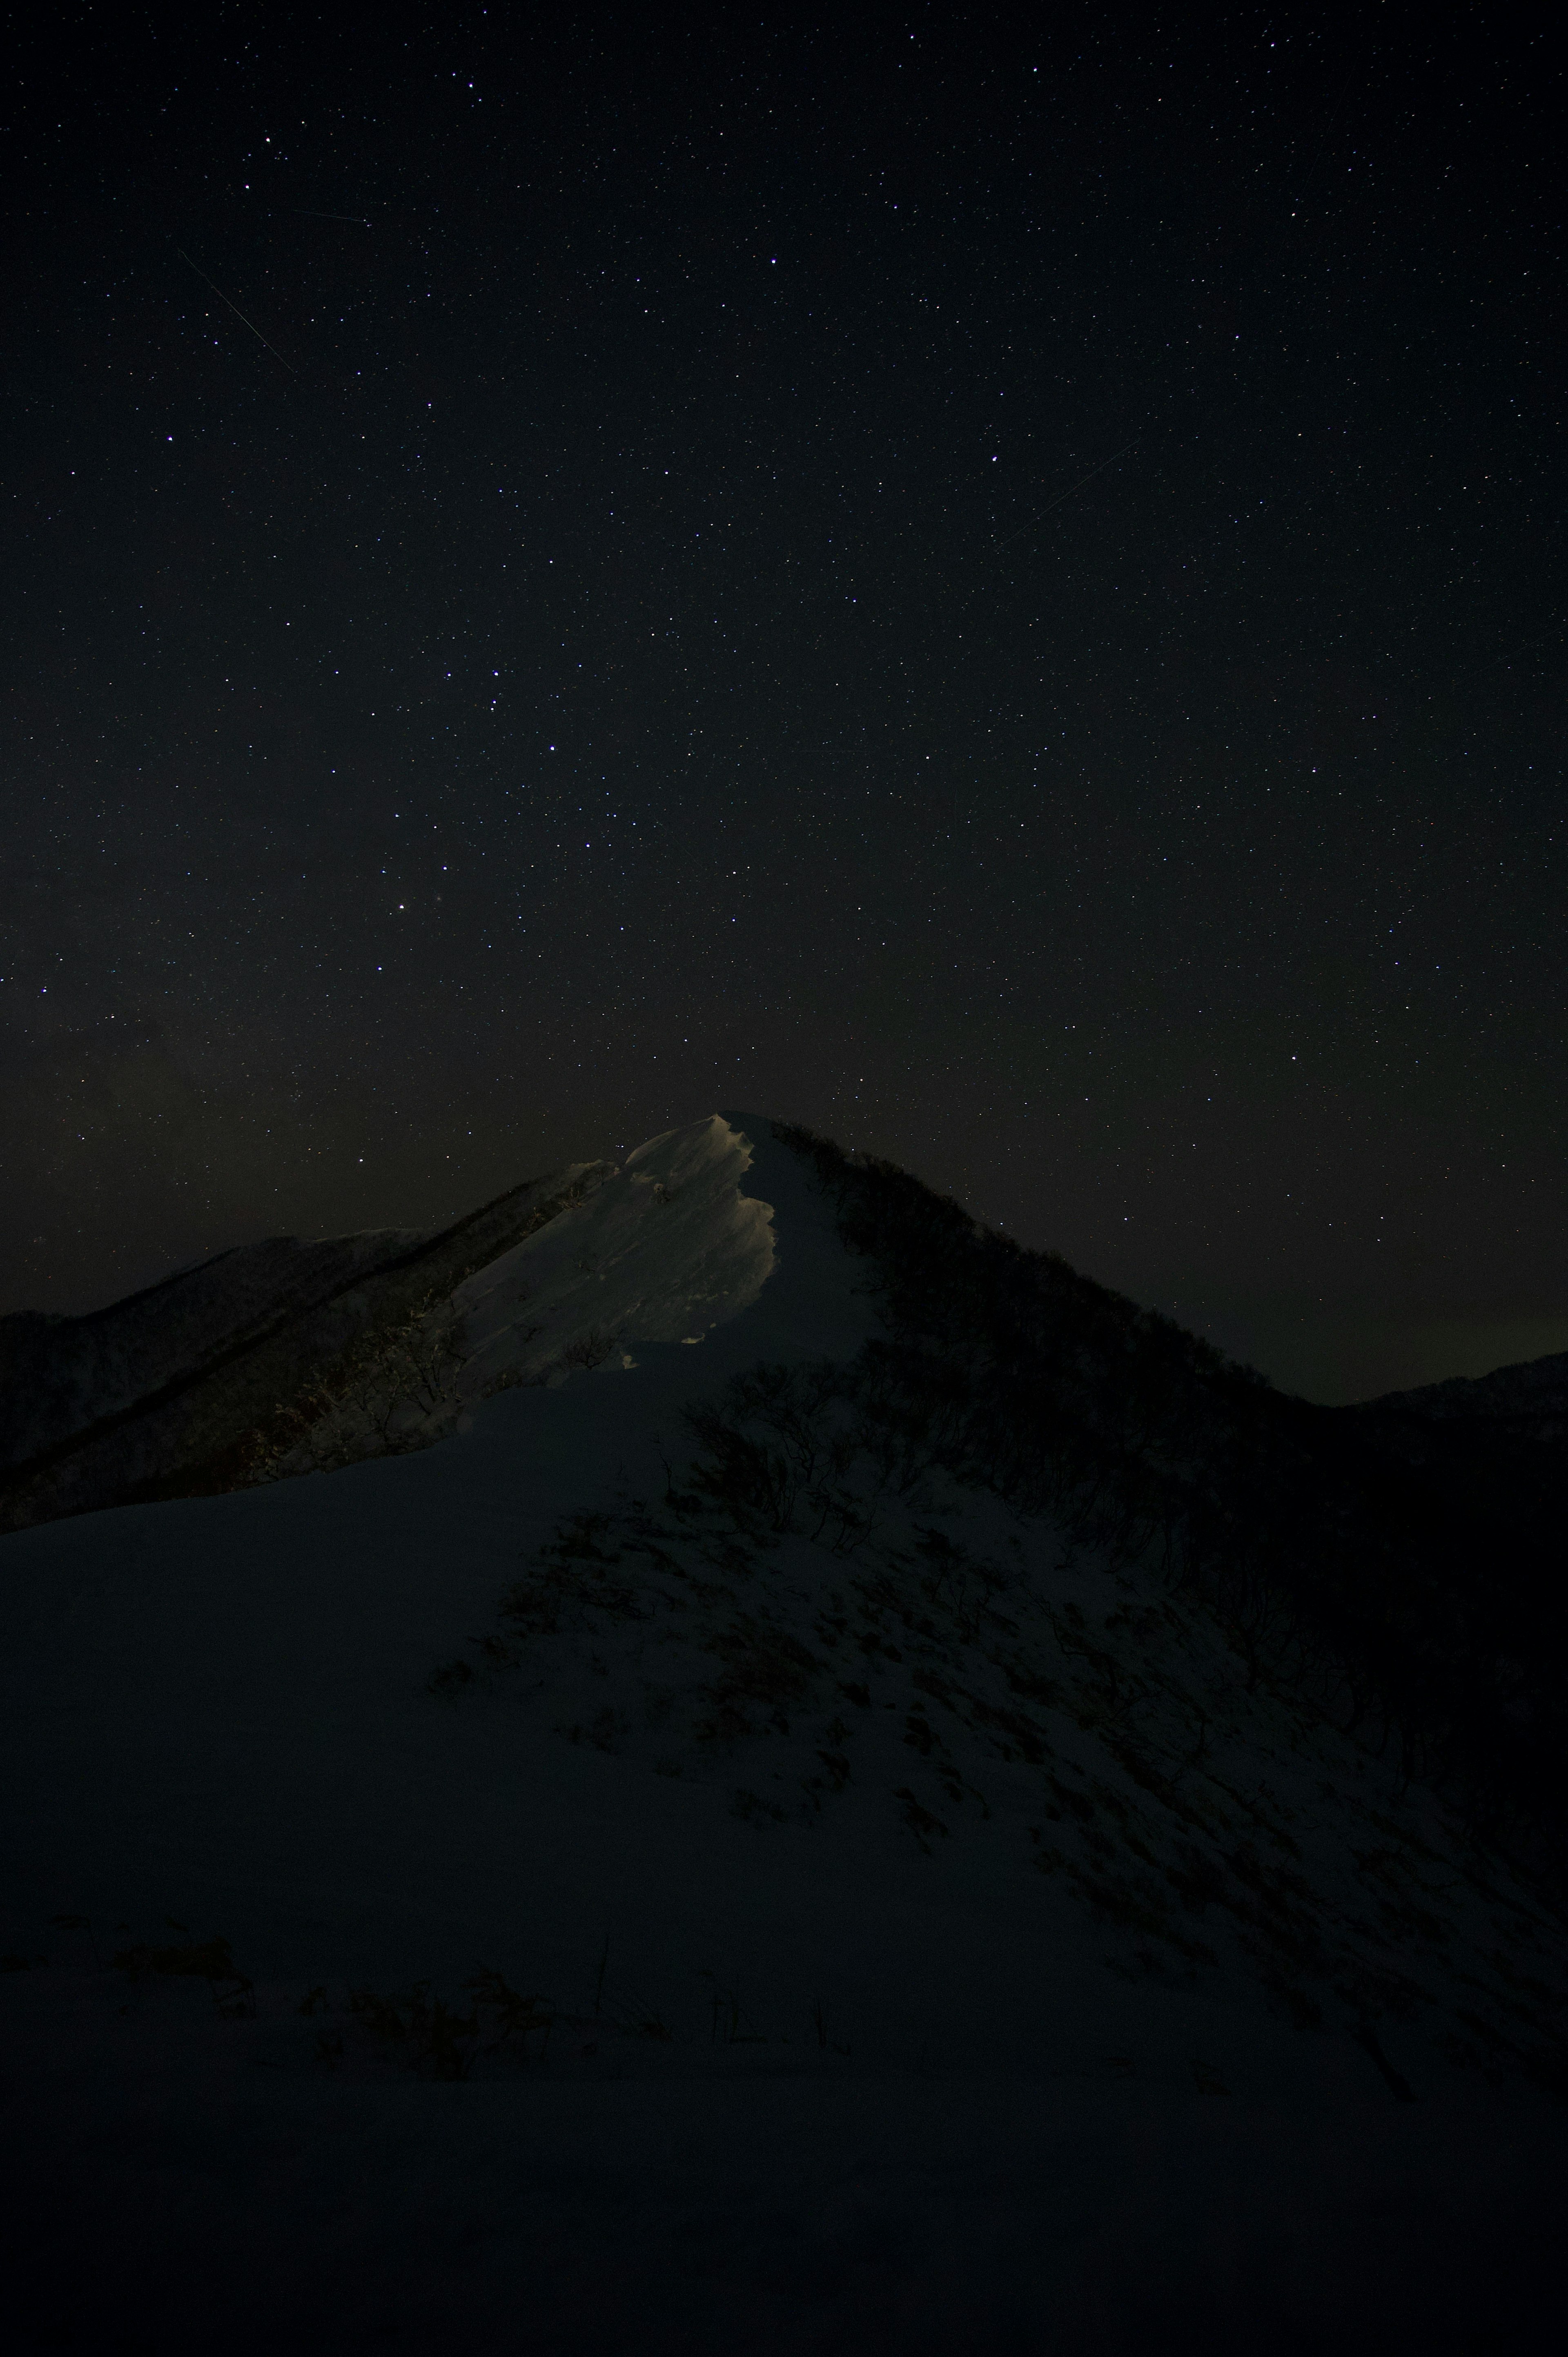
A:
[157,1395]
[1529,1398]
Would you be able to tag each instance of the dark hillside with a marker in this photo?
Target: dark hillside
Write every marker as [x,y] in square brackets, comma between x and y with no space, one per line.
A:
[1408,1572]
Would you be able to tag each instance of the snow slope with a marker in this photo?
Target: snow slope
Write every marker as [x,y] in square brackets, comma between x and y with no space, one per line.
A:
[921,1934]
[664,1252]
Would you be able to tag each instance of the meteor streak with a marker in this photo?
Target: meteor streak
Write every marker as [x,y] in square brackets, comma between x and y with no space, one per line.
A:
[235,308]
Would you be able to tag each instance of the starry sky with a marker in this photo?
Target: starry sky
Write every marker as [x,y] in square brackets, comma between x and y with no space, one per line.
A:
[996,589]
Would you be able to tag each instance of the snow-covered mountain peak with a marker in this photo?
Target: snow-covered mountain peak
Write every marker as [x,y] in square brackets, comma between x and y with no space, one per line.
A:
[662,1251]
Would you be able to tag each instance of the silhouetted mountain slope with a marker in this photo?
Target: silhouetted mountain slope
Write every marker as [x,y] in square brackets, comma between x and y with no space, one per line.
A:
[1408,1567]
[1530,1400]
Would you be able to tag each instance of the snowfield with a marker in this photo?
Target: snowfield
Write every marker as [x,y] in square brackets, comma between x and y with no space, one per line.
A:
[660,1869]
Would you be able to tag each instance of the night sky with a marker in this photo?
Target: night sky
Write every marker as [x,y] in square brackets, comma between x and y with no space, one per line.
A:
[997,591]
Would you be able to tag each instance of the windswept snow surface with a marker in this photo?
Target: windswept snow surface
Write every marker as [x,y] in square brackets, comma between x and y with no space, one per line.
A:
[664,1251]
[817,1844]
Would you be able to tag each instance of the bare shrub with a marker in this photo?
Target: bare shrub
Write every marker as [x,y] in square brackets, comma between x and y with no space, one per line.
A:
[396,1389]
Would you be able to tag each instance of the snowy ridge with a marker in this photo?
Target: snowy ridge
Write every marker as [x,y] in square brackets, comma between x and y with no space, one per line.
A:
[686,1863]
[286,1358]
[662,1252]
